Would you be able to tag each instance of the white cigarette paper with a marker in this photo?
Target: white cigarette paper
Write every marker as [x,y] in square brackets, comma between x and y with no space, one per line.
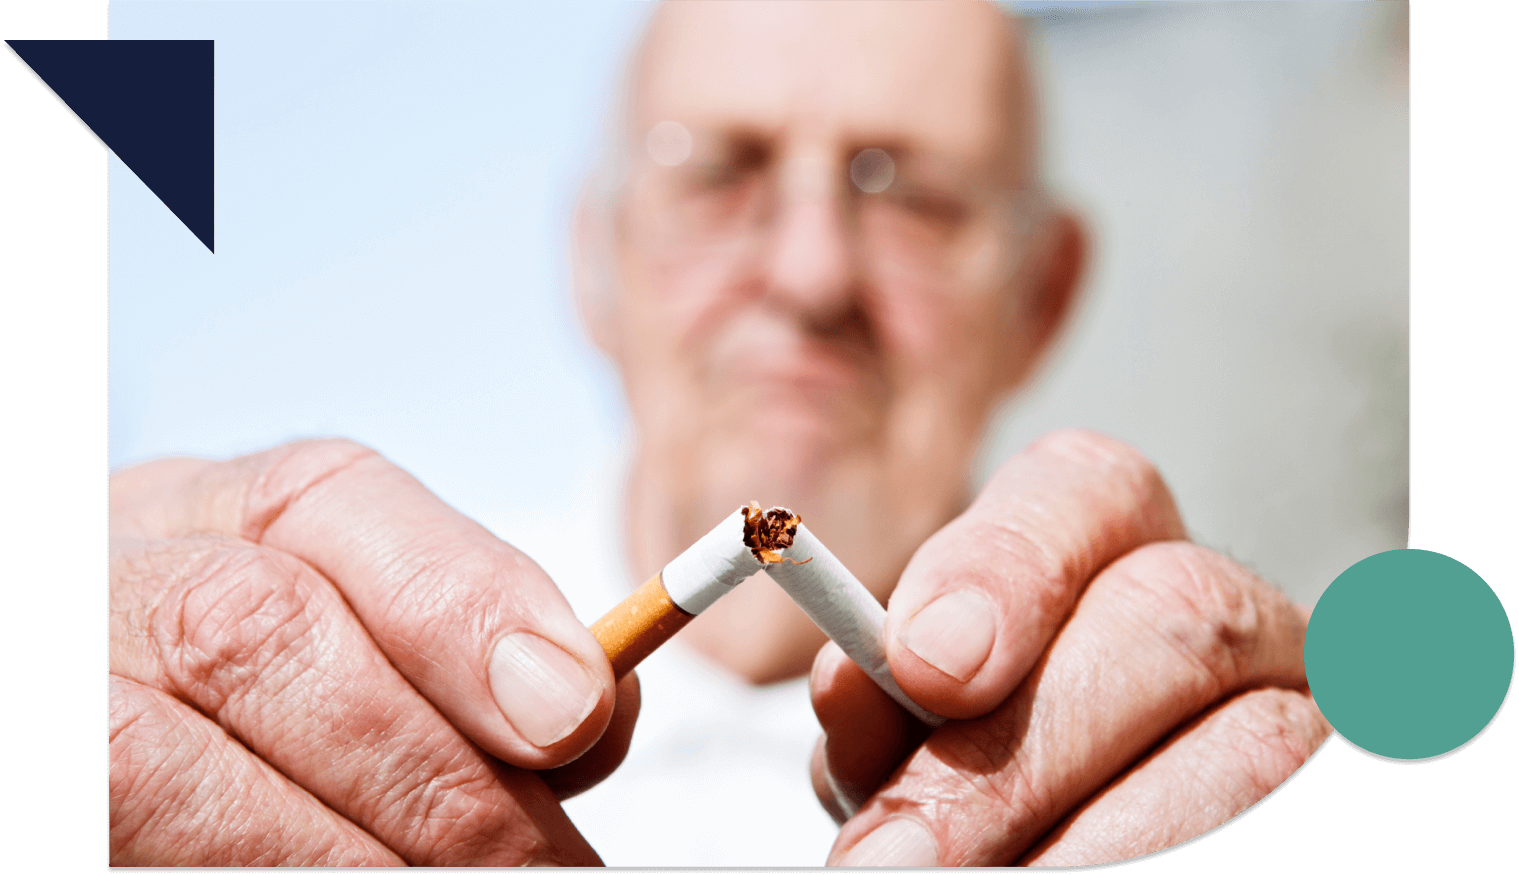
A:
[711,567]
[814,578]
[844,609]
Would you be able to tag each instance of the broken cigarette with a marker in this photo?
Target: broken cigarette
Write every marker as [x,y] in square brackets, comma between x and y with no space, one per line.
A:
[748,541]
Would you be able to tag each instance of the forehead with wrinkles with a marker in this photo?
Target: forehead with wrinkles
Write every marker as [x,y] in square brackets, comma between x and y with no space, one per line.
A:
[945,78]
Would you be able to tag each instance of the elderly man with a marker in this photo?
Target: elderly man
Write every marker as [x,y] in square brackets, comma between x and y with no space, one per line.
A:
[822,259]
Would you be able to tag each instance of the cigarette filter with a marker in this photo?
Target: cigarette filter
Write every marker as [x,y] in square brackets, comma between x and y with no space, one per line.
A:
[748,541]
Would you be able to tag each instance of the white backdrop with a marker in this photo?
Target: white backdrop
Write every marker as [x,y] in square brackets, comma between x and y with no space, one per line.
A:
[394,185]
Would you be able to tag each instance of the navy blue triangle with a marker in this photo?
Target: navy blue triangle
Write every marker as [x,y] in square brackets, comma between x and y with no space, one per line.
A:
[153,103]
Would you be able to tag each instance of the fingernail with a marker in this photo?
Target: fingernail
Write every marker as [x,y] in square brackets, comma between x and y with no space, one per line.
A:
[544,692]
[897,842]
[954,634]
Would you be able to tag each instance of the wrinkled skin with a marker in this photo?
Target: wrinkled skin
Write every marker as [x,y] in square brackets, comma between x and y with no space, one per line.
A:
[1116,689]
[301,673]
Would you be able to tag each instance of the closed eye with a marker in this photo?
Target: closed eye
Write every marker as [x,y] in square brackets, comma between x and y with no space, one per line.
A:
[736,162]
[938,207]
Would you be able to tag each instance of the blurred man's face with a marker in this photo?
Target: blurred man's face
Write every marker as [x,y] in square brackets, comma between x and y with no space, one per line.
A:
[825,271]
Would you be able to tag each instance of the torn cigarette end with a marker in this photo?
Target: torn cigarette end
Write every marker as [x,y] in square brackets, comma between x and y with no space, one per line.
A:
[766,533]
[745,542]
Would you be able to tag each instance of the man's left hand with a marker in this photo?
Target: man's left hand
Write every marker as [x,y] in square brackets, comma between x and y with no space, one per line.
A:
[1116,690]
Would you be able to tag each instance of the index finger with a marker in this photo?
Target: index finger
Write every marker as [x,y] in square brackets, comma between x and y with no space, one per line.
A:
[476,626]
[982,598]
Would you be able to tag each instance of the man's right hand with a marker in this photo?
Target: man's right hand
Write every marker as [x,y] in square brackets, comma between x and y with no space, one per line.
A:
[316,661]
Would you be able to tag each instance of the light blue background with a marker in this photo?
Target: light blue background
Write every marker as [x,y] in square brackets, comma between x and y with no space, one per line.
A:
[393,189]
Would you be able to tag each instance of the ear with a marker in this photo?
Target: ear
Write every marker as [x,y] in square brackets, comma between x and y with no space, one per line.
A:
[1061,257]
[1053,300]
[593,266]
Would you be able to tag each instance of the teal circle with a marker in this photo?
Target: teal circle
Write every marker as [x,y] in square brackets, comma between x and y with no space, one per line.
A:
[1409,654]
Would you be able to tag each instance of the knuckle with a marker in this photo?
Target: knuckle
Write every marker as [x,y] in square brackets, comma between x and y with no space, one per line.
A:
[987,787]
[1108,454]
[151,758]
[320,454]
[289,472]
[1274,732]
[442,592]
[141,573]
[243,616]
[1201,603]
[1125,474]
[454,810]
[1004,549]
[134,733]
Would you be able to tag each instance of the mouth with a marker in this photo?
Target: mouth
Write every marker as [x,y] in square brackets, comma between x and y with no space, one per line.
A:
[773,376]
[765,349]
[802,373]
[817,379]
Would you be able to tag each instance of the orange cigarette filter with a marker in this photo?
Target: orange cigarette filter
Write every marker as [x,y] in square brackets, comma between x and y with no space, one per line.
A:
[637,626]
[747,541]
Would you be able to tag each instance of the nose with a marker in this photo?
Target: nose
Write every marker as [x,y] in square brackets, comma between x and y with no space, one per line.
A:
[812,260]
